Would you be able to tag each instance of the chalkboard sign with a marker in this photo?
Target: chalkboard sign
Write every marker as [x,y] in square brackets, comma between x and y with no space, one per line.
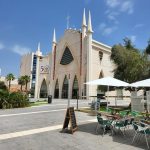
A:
[70,118]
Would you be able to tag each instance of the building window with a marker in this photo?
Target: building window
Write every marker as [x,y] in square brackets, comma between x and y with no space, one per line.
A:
[56,93]
[65,88]
[43,90]
[100,56]
[75,88]
[67,57]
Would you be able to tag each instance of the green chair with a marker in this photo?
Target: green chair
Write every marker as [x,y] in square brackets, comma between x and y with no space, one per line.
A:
[121,124]
[141,129]
[104,124]
[123,113]
[109,110]
[135,113]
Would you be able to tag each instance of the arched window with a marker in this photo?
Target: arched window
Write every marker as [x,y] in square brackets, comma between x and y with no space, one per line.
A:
[101,75]
[100,56]
[75,88]
[67,57]
[56,93]
[43,90]
[65,88]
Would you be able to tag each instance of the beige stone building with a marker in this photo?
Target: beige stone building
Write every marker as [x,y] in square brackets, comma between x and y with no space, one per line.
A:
[37,67]
[75,59]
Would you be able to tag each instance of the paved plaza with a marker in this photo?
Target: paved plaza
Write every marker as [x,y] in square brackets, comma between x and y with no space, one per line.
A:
[38,128]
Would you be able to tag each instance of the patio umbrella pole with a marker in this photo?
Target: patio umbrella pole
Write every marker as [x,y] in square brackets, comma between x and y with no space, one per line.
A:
[107,96]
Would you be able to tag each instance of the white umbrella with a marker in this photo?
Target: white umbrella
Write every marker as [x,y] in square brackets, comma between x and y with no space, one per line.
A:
[143,83]
[108,81]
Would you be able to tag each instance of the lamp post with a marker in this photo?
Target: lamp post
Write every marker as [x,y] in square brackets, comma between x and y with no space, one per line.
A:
[68,91]
[77,96]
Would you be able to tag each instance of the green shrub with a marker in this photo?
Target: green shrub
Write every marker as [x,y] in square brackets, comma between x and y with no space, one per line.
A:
[13,100]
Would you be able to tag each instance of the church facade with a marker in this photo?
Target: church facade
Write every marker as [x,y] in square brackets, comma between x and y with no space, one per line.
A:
[75,59]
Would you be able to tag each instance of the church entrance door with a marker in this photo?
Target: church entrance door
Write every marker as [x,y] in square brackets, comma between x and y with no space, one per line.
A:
[56,93]
[65,88]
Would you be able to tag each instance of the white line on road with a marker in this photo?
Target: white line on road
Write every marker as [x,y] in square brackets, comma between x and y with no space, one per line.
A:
[28,113]
[36,131]
[47,105]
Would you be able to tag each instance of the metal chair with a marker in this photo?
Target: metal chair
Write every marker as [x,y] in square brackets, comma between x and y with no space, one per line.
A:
[121,124]
[141,129]
[104,124]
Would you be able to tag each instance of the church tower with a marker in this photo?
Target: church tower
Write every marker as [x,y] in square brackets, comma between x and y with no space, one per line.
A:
[83,50]
[38,55]
[53,62]
[89,55]
[84,25]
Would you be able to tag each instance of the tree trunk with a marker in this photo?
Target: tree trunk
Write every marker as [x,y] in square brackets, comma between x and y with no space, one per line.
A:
[21,88]
[26,87]
[9,85]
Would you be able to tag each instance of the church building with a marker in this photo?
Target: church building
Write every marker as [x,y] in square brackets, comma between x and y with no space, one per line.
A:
[76,58]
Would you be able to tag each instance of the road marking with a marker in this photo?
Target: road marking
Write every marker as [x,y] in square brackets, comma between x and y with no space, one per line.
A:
[47,105]
[36,131]
[28,113]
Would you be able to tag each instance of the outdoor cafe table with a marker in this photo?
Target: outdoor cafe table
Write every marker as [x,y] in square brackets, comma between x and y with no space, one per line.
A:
[116,109]
[112,117]
[145,113]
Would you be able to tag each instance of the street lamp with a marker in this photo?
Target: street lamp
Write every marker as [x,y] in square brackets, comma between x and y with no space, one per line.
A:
[68,91]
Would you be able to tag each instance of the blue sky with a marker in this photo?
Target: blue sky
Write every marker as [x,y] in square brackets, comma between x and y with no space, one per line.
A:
[24,23]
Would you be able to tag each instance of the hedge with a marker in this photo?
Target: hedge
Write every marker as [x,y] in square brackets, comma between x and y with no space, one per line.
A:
[13,100]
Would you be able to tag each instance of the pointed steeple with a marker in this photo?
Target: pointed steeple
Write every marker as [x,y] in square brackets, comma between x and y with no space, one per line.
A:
[84,19]
[39,49]
[54,36]
[89,23]
[38,52]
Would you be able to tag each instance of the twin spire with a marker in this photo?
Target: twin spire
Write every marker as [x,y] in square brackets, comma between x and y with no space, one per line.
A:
[84,19]
[39,49]
[54,36]
[89,22]
[89,27]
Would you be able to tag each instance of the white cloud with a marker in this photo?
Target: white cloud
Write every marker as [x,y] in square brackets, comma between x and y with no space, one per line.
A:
[138,25]
[106,30]
[133,38]
[1,46]
[112,16]
[102,26]
[109,30]
[127,6]
[20,50]
[112,3]
[114,9]
[87,1]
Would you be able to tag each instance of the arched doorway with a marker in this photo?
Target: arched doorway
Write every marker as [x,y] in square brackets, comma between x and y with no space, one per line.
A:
[75,88]
[65,88]
[56,93]
[43,90]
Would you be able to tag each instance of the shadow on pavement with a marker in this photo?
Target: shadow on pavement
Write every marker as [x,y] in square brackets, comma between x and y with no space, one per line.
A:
[117,138]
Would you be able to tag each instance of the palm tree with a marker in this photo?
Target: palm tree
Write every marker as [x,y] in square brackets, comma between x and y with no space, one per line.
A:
[21,82]
[26,79]
[10,77]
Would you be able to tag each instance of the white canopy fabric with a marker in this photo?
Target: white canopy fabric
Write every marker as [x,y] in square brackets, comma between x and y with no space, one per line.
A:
[108,81]
[143,83]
